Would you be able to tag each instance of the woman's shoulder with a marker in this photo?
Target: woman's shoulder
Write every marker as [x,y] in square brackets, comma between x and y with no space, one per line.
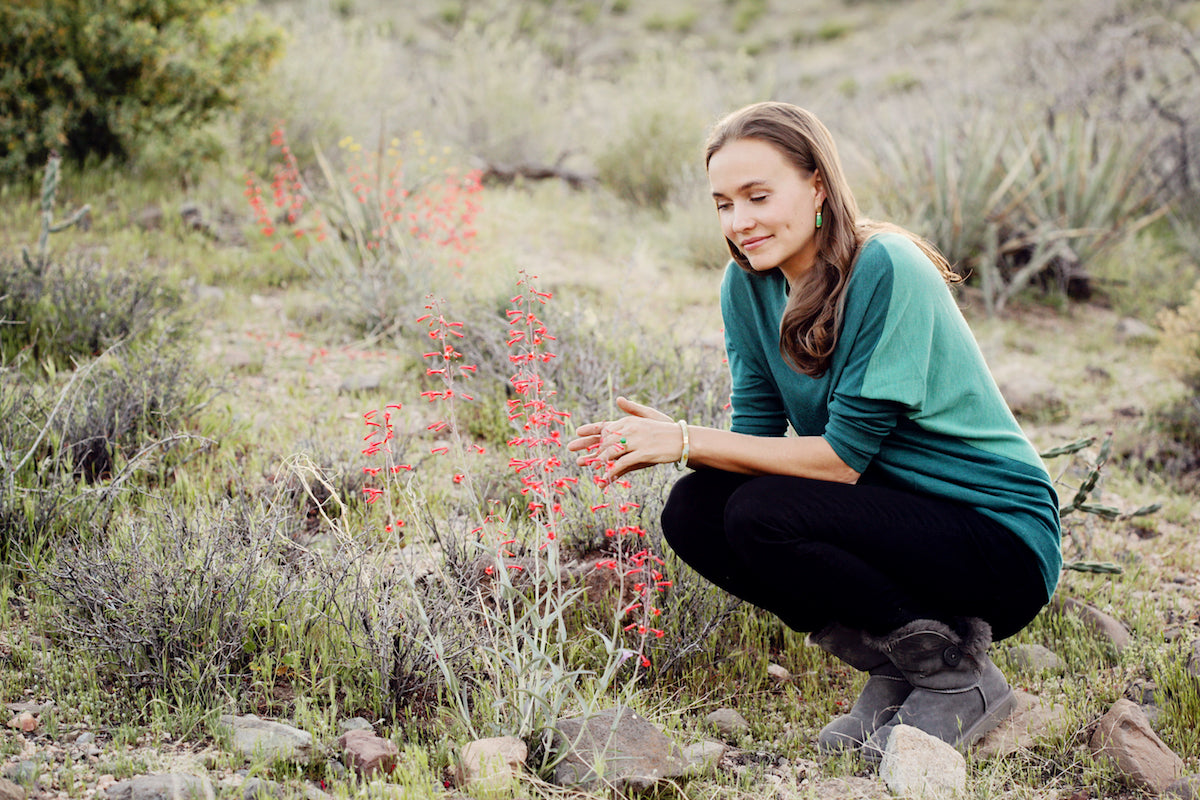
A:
[896,255]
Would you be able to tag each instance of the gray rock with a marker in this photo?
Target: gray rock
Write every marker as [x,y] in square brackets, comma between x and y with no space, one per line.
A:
[1125,737]
[353,384]
[703,757]
[262,789]
[728,722]
[491,765]
[169,786]
[23,772]
[10,790]
[1103,625]
[916,764]
[356,724]
[273,741]
[1186,788]
[849,788]
[1033,658]
[1134,330]
[632,754]
[1033,718]
[87,737]
[366,753]
[778,673]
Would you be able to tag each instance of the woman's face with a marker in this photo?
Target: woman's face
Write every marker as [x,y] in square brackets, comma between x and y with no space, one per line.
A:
[766,205]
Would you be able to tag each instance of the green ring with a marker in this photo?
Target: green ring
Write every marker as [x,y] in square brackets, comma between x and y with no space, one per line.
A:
[622,440]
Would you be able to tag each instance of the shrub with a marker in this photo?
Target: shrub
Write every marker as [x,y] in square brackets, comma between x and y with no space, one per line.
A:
[88,78]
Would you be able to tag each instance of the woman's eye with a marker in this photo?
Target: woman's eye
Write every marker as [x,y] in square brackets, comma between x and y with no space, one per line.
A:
[723,206]
[758,198]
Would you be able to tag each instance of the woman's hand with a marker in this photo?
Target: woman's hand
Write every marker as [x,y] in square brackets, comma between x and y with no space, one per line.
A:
[643,438]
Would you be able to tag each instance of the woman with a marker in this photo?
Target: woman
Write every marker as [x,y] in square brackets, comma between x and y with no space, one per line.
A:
[908,522]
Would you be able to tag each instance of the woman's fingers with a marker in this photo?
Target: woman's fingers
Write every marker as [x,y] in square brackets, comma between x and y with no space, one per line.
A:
[639,410]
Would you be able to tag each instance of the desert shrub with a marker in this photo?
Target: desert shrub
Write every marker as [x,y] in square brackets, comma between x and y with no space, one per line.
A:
[1178,422]
[89,78]
[65,309]
[1016,206]
[170,602]
[648,157]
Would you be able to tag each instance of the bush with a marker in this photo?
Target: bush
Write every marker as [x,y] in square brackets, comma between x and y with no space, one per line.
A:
[55,312]
[88,77]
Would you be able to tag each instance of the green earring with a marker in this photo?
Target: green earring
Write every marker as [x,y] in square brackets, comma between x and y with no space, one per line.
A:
[818,217]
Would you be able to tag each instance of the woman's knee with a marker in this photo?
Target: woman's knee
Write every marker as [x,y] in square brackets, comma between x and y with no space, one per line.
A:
[695,509]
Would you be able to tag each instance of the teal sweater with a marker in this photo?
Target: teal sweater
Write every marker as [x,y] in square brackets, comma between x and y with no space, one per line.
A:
[907,401]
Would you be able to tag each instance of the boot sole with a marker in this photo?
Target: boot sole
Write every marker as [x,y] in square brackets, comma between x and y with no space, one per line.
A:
[1000,711]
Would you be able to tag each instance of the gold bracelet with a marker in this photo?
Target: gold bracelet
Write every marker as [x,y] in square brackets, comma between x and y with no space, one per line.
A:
[681,464]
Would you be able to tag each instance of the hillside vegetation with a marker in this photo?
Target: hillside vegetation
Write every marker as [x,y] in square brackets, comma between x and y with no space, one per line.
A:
[286,367]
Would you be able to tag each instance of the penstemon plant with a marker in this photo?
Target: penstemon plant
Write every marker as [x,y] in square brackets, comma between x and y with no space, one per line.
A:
[521,597]
[371,232]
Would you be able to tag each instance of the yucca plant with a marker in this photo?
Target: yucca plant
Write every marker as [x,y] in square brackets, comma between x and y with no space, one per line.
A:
[1012,205]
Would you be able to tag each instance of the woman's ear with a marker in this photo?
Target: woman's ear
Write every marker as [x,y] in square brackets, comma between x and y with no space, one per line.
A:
[818,188]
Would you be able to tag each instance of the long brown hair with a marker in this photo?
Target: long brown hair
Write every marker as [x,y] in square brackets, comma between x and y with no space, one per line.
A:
[812,319]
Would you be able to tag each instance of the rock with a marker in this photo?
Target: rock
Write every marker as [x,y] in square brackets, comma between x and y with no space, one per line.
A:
[632,754]
[169,786]
[1186,788]
[353,384]
[1105,626]
[1033,658]
[150,218]
[262,789]
[849,788]
[37,709]
[10,790]
[1029,393]
[273,741]
[916,764]
[778,674]
[1033,718]
[23,772]
[491,764]
[703,757]
[1134,330]
[728,722]
[367,753]
[24,722]
[1124,735]
[356,724]
[87,737]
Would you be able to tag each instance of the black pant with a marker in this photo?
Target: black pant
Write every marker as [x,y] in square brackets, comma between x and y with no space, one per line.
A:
[867,556]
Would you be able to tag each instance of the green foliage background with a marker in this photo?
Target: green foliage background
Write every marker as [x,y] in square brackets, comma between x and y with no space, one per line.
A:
[89,77]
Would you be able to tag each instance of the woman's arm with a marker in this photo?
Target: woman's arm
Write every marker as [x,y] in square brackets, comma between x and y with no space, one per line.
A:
[651,437]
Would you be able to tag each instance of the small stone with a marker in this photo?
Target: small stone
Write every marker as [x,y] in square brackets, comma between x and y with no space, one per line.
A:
[1033,658]
[169,786]
[367,753]
[23,772]
[354,384]
[1104,625]
[87,737]
[491,764]
[728,722]
[24,722]
[10,790]
[356,724]
[273,741]
[1134,330]
[916,764]
[1124,735]
[778,674]
[632,754]
[261,789]
[1032,719]
[1186,788]
[703,757]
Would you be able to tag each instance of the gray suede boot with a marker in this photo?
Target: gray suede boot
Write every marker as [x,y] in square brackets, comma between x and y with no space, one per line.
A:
[886,689]
[959,693]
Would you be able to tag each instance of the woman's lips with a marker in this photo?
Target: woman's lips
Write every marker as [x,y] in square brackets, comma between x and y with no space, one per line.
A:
[754,242]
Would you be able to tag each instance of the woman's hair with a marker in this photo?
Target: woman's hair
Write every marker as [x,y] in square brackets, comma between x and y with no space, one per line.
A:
[812,319]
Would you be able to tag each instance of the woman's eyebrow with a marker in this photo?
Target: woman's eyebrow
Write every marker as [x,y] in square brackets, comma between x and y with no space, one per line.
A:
[745,186]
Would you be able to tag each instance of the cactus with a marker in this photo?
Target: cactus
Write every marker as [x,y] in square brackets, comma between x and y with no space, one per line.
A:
[49,189]
[1080,501]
